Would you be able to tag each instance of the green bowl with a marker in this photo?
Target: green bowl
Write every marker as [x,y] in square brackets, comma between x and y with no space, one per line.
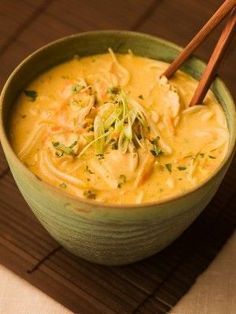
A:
[101,233]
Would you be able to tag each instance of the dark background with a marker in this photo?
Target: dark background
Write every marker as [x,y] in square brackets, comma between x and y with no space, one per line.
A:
[150,286]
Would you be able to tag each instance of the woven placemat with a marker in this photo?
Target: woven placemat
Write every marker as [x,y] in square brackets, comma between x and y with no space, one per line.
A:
[155,284]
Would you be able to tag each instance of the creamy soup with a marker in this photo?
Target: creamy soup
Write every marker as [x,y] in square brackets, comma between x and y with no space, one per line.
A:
[111,128]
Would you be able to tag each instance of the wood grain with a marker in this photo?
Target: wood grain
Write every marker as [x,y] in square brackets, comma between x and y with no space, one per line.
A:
[155,284]
[95,15]
[14,15]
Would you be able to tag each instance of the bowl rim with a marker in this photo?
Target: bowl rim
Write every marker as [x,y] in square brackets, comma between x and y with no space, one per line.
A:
[158,203]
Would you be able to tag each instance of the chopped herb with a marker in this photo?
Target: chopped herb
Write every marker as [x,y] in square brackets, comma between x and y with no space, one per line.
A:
[123,122]
[76,88]
[156,151]
[212,157]
[73,144]
[88,170]
[91,129]
[140,96]
[181,168]
[113,90]
[32,94]
[59,154]
[155,140]
[100,156]
[122,180]
[63,185]
[196,156]
[90,194]
[62,149]
[169,167]
[55,144]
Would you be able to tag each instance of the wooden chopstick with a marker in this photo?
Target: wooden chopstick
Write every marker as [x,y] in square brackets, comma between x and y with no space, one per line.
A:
[216,57]
[224,9]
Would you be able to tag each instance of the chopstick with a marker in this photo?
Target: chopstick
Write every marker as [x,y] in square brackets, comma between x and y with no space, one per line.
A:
[216,57]
[223,10]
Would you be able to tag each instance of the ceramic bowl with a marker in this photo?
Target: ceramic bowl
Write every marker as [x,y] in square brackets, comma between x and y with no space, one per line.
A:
[101,233]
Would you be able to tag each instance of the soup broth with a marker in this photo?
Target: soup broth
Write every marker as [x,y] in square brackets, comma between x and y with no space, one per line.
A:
[110,128]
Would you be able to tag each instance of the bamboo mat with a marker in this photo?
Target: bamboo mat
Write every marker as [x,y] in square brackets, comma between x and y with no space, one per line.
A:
[155,284]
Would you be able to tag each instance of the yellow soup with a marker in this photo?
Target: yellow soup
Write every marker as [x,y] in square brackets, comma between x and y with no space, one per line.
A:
[111,128]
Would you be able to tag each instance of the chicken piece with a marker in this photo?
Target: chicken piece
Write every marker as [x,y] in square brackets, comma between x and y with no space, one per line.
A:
[119,163]
[71,86]
[171,103]
[114,165]
[146,164]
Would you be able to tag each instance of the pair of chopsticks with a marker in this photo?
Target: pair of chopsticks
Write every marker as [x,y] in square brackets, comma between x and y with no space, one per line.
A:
[228,7]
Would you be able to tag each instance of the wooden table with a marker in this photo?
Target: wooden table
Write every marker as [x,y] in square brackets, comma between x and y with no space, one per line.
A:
[151,286]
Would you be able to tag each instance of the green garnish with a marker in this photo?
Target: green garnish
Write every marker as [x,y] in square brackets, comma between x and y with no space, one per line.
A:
[182,168]
[63,185]
[90,194]
[156,151]
[100,156]
[121,123]
[113,90]
[122,180]
[169,167]
[155,140]
[126,119]
[88,170]
[91,129]
[76,88]
[55,144]
[196,156]
[99,130]
[212,157]
[61,149]
[32,94]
